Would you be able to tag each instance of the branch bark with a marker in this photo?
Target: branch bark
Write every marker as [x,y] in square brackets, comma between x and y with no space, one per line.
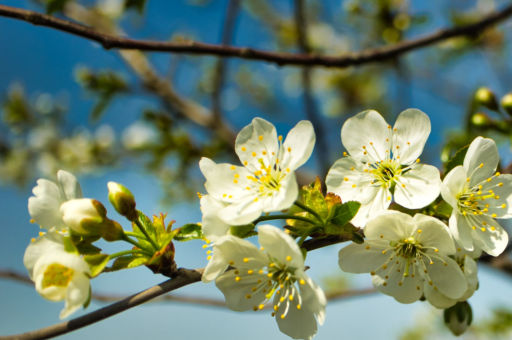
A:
[197,48]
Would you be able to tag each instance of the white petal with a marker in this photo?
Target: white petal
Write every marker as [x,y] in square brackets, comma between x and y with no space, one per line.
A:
[47,243]
[430,232]
[213,226]
[493,242]
[242,212]
[285,197]
[241,253]
[356,258]
[436,298]
[74,212]
[226,182]
[449,279]
[301,141]
[502,187]
[298,323]
[364,128]
[45,207]
[409,291]
[237,292]
[392,225]
[411,132]
[461,230]
[363,191]
[312,296]
[422,186]
[453,185]
[206,165]
[259,140]
[215,267]
[77,295]
[280,246]
[380,202]
[471,272]
[63,258]
[481,151]
[69,185]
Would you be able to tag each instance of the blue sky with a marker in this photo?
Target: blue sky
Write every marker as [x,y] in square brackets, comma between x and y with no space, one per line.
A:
[43,60]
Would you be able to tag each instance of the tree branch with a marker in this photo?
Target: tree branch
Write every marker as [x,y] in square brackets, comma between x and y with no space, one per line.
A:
[363,57]
[322,151]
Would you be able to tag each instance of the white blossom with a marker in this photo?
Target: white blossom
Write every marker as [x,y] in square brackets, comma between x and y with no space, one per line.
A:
[383,162]
[57,274]
[45,206]
[212,225]
[83,216]
[266,182]
[478,195]
[402,252]
[466,260]
[275,270]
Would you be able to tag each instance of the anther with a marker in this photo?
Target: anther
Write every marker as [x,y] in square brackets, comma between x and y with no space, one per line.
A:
[243,148]
[367,247]
[288,258]
[260,137]
[238,278]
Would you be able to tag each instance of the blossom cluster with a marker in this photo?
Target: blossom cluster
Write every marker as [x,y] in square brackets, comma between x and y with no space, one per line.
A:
[412,251]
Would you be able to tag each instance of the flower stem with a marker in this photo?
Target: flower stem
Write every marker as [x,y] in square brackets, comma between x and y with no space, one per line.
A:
[143,230]
[284,217]
[311,211]
[135,243]
[129,252]
[129,233]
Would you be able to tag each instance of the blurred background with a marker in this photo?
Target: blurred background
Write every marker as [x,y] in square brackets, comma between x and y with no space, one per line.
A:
[145,120]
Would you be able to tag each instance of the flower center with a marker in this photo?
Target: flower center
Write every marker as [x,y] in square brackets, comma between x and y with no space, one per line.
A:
[57,275]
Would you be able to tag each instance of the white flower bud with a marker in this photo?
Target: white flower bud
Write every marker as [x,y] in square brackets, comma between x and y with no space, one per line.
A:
[122,200]
[84,216]
[458,318]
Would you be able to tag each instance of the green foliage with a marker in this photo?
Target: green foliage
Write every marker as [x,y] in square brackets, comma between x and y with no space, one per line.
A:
[188,232]
[344,213]
[243,231]
[53,6]
[97,263]
[456,160]
[443,209]
[128,262]
[135,4]
[148,227]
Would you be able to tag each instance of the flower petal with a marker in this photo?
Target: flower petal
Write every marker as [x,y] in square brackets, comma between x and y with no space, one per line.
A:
[418,187]
[370,130]
[493,242]
[453,185]
[380,202]
[215,267]
[410,289]
[347,178]
[213,226]
[411,132]
[226,182]
[45,207]
[49,242]
[283,198]
[436,298]
[471,272]
[280,246]
[239,292]
[461,230]
[391,225]
[313,296]
[69,185]
[363,258]
[449,279]
[300,141]
[206,165]
[256,141]
[482,151]
[430,232]
[242,212]
[298,323]
[501,186]
[241,253]
[77,295]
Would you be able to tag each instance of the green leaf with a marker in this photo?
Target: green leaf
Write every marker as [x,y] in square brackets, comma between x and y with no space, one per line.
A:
[444,209]
[189,232]
[345,212]
[136,4]
[69,246]
[243,231]
[456,160]
[127,262]
[87,249]
[88,301]
[148,226]
[314,198]
[97,263]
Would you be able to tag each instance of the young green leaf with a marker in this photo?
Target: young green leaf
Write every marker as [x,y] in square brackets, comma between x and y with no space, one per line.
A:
[97,263]
[345,212]
[189,232]
[243,231]
[127,262]
[456,160]
[444,209]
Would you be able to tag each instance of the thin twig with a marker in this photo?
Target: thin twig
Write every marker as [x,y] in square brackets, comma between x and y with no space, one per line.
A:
[228,32]
[192,47]
[322,149]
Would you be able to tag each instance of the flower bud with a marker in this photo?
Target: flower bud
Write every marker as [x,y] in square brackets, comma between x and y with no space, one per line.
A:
[506,103]
[458,318]
[111,231]
[84,216]
[480,120]
[122,200]
[486,98]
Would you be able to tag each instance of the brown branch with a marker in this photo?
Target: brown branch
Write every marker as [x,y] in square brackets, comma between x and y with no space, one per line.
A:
[322,149]
[363,57]
[220,68]
[185,277]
